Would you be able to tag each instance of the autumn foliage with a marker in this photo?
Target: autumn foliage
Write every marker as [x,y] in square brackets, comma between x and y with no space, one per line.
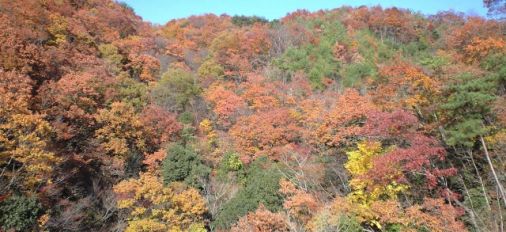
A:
[350,119]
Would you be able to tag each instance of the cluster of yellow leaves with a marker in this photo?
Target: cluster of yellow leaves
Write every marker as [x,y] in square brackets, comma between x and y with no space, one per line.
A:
[58,28]
[376,204]
[206,127]
[210,69]
[43,220]
[110,53]
[121,129]
[23,135]
[423,87]
[154,207]
[432,215]
[23,138]
[14,93]
[365,191]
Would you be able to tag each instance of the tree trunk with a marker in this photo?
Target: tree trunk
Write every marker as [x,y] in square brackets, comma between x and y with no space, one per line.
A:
[480,179]
[498,182]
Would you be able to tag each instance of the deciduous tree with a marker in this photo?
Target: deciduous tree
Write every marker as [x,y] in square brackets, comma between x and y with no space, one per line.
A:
[151,206]
[120,130]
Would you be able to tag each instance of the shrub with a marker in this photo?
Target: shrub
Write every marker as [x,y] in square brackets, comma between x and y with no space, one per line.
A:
[184,165]
[175,90]
[19,213]
[261,186]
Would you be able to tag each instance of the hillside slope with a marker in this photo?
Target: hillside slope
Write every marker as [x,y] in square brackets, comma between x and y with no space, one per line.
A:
[349,119]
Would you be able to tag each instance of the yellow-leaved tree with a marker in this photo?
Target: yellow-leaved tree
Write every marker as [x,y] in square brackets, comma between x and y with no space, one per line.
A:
[151,206]
[24,157]
[389,215]
[23,140]
[364,190]
[121,129]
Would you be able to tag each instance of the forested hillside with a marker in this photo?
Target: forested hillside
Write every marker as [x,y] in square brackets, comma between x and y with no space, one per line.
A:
[352,119]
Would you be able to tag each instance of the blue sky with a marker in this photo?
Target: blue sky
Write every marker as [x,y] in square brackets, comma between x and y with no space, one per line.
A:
[162,11]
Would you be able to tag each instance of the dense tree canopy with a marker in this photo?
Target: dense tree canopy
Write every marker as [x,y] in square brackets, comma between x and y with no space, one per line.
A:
[351,119]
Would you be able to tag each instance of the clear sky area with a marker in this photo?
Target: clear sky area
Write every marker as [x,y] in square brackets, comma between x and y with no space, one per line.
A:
[162,11]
